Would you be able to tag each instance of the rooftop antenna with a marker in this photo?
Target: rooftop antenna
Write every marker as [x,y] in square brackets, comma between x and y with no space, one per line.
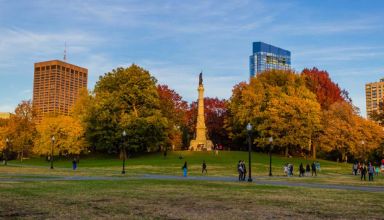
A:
[65,51]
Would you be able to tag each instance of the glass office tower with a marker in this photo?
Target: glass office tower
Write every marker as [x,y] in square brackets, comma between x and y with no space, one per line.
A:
[267,57]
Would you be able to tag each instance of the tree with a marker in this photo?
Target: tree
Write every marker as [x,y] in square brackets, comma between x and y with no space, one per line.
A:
[126,99]
[345,132]
[68,133]
[327,92]
[278,104]
[174,109]
[20,129]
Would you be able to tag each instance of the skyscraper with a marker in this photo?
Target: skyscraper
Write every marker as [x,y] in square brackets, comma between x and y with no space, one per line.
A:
[56,87]
[374,93]
[266,57]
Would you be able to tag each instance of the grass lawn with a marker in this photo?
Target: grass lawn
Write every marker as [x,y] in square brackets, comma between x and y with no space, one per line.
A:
[222,165]
[170,199]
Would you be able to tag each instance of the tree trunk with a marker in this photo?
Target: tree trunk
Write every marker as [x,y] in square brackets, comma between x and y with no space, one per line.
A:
[286,151]
[314,151]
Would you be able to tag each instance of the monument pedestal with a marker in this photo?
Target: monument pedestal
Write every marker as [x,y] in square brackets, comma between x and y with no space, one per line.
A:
[201,145]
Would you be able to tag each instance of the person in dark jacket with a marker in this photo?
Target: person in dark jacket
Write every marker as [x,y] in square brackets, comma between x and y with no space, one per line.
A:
[244,170]
[204,167]
[363,172]
[301,170]
[185,169]
[314,169]
[307,170]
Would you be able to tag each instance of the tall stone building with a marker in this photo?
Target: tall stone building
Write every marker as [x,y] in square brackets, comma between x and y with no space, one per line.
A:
[374,93]
[56,87]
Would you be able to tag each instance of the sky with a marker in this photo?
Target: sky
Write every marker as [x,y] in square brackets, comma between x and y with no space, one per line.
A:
[176,40]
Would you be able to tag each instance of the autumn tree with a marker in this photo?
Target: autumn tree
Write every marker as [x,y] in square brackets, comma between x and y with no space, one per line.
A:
[326,91]
[277,104]
[127,99]
[68,133]
[174,108]
[346,133]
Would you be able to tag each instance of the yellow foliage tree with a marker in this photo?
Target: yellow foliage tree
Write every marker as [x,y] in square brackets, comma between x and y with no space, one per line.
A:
[68,133]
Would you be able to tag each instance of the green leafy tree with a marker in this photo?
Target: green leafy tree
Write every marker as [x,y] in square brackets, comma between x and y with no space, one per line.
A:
[126,99]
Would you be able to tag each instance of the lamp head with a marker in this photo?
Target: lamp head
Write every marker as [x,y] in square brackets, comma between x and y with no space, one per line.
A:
[124,133]
[53,138]
[249,127]
[270,139]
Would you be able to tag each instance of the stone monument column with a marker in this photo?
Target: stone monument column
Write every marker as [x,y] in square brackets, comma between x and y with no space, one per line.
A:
[201,143]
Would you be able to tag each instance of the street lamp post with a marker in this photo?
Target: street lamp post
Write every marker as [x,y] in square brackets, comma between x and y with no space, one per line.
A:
[270,155]
[123,147]
[53,143]
[5,152]
[249,130]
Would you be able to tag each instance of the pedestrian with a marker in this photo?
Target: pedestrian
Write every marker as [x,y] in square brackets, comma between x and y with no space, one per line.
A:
[74,164]
[314,169]
[307,170]
[355,166]
[371,172]
[244,170]
[285,168]
[363,171]
[291,169]
[377,170]
[185,169]
[204,167]
[318,166]
[240,170]
[301,170]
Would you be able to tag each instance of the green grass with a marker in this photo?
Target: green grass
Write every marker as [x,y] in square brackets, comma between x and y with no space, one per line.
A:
[223,164]
[169,199]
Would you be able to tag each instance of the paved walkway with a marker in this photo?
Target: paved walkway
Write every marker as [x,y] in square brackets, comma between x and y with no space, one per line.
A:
[257,181]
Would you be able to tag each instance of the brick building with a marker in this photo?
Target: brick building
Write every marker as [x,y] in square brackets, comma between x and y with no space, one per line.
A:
[56,87]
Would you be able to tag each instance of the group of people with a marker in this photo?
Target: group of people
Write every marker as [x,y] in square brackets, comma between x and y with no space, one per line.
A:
[241,168]
[314,168]
[362,169]
[307,170]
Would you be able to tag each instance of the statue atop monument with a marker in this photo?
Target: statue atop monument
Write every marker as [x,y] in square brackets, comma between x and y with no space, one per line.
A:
[201,142]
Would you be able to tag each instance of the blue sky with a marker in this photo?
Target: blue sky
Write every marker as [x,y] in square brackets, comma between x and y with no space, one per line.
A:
[175,40]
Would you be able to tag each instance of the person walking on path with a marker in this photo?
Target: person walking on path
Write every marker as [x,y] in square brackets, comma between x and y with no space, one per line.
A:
[244,170]
[314,169]
[74,164]
[371,171]
[204,167]
[240,170]
[185,169]
[355,166]
[307,170]
[301,170]
[290,169]
[363,172]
